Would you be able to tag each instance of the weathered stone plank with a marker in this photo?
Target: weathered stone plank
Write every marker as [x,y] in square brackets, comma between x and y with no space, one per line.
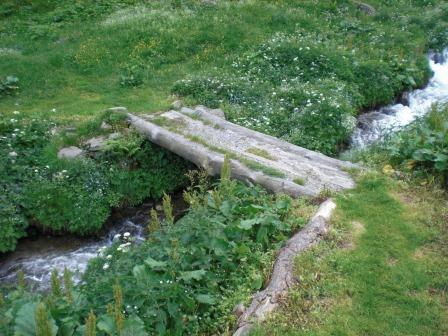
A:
[204,138]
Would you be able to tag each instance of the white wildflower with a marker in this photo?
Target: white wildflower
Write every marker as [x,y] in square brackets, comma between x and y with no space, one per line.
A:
[106,266]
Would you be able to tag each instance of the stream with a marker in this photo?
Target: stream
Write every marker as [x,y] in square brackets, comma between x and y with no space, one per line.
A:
[375,125]
[37,256]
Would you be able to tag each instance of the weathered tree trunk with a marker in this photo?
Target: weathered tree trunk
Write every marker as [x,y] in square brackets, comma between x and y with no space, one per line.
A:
[282,278]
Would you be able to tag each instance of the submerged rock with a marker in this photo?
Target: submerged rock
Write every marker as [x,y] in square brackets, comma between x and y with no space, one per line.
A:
[365,121]
[405,98]
[438,58]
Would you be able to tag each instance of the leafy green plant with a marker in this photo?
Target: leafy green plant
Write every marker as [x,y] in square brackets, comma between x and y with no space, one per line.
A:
[422,147]
[168,209]
[132,76]
[91,324]
[181,271]
[43,326]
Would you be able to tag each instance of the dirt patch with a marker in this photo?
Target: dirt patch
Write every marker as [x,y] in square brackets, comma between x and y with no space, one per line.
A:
[392,261]
[357,230]
[347,245]
[419,254]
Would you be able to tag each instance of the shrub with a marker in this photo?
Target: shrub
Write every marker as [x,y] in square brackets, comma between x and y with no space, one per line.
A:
[13,223]
[21,143]
[76,196]
[422,148]
[76,200]
[185,274]
[132,76]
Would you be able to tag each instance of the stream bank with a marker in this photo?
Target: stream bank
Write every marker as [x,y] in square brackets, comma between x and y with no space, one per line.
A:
[38,255]
[376,125]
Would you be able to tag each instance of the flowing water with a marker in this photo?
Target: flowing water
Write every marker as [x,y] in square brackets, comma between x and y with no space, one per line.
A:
[374,125]
[38,256]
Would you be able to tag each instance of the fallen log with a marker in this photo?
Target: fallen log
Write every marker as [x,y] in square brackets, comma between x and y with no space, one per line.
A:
[282,277]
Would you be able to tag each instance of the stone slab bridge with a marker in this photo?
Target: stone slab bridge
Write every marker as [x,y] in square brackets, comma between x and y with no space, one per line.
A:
[204,137]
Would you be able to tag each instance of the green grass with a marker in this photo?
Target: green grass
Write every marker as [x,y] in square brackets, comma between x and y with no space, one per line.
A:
[261,153]
[299,181]
[382,271]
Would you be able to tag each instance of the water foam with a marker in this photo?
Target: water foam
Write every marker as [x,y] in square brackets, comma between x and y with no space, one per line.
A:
[374,125]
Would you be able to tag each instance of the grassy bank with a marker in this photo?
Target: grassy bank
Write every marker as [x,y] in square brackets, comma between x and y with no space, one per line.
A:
[42,193]
[380,272]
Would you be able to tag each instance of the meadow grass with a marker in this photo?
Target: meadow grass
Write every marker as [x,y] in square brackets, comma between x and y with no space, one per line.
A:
[78,59]
[380,272]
